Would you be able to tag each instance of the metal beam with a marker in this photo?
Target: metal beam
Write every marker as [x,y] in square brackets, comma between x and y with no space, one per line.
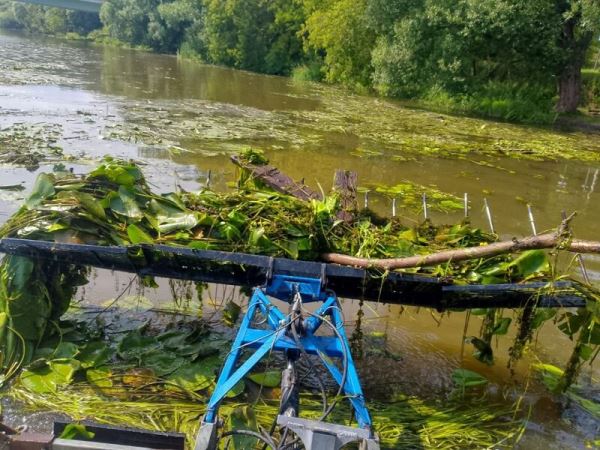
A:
[213,266]
[92,6]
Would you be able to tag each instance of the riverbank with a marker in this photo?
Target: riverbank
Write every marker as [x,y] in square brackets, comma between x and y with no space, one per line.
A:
[181,121]
[305,41]
[586,120]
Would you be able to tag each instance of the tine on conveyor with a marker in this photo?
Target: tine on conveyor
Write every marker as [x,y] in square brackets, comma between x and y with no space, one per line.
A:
[531,220]
[584,272]
[488,213]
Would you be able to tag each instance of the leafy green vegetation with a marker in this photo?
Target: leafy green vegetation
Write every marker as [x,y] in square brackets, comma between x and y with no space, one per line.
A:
[113,205]
[591,83]
[452,55]
[40,19]
[28,145]
[158,378]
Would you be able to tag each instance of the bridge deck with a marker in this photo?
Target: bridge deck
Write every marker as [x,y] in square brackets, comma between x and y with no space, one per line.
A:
[76,5]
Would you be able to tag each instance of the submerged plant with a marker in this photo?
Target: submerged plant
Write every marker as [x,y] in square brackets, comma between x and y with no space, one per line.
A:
[113,205]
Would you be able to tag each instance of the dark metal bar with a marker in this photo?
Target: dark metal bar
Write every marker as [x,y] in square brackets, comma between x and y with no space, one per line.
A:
[254,270]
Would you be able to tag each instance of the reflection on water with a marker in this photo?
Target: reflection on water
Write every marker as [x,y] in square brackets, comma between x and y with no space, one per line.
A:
[181,119]
[150,76]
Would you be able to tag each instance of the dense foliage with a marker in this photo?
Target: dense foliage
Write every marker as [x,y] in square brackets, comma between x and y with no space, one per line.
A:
[76,366]
[504,58]
[113,205]
[54,21]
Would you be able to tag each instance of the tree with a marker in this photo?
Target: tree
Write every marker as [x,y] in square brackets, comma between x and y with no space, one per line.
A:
[581,23]
[340,29]
[258,35]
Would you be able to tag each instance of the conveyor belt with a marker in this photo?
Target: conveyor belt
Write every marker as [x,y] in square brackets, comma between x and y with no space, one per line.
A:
[254,270]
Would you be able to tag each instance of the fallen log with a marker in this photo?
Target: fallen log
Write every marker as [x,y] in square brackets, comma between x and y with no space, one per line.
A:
[277,180]
[541,241]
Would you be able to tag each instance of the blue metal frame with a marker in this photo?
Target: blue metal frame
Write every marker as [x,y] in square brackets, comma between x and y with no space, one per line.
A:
[275,339]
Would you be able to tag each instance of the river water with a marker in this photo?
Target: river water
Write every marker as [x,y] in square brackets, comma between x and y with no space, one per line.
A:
[182,120]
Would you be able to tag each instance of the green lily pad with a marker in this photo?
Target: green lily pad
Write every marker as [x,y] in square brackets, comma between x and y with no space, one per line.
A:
[76,431]
[501,326]
[100,377]
[138,236]
[196,376]
[467,378]
[134,346]
[173,339]
[243,418]
[65,350]
[161,362]
[94,354]
[270,379]
[236,390]
[42,189]
[48,378]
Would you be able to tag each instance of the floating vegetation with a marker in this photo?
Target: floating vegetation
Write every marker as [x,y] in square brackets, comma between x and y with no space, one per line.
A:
[28,145]
[553,377]
[165,370]
[366,127]
[406,423]
[113,205]
[159,379]
[410,196]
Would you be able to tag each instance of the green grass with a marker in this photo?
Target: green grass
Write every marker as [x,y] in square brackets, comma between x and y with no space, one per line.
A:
[514,102]
[186,51]
[307,72]
[591,86]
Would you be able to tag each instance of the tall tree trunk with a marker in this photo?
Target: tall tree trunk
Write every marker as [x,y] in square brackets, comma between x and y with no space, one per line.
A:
[575,43]
[569,89]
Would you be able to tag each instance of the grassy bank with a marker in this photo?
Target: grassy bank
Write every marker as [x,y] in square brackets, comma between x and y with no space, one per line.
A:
[367,46]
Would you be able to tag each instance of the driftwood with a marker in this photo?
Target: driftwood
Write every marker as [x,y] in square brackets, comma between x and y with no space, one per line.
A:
[344,184]
[541,241]
[277,180]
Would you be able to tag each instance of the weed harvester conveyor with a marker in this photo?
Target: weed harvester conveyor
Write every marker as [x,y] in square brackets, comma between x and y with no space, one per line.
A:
[265,328]
[242,269]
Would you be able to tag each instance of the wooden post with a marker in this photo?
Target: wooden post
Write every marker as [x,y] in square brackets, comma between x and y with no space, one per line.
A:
[344,184]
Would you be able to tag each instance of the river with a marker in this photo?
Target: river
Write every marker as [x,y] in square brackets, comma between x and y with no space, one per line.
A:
[182,120]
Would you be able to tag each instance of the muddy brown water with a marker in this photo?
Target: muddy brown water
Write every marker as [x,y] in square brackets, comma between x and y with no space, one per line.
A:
[182,119]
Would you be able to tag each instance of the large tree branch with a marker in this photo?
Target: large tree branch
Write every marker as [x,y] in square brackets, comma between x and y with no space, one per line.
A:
[542,241]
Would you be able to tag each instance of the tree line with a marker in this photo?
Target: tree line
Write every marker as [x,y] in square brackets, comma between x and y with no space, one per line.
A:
[513,59]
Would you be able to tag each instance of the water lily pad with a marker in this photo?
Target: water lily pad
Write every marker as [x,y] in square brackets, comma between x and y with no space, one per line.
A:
[100,377]
[196,376]
[134,345]
[174,339]
[65,350]
[42,189]
[501,326]
[94,354]
[138,236]
[243,418]
[236,390]
[161,362]
[76,431]
[467,378]
[270,379]
[48,378]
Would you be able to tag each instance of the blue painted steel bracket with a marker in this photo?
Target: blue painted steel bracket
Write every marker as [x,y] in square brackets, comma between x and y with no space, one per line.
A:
[274,338]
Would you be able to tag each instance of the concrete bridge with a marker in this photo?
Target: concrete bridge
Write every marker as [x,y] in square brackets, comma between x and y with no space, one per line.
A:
[77,5]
